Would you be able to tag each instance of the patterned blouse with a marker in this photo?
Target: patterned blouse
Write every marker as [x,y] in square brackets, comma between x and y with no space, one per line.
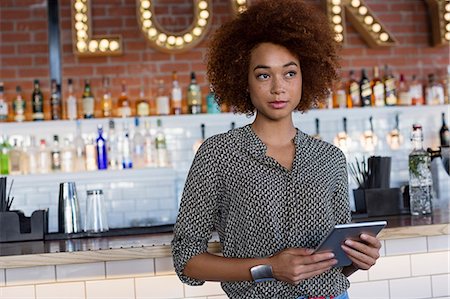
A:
[259,208]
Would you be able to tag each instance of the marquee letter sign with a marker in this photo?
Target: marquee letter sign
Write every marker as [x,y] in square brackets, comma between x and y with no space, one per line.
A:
[366,23]
[439,12]
[84,44]
[170,41]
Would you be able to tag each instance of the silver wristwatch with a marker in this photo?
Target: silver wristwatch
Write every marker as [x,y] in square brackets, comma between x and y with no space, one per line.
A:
[262,273]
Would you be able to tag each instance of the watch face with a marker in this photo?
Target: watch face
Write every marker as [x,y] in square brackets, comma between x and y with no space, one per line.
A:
[262,273]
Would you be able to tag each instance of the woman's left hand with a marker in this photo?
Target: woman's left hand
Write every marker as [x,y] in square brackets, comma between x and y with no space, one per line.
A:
[364,253]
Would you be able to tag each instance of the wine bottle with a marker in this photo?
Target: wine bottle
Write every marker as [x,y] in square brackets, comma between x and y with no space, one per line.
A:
[19,106]
[55,101]
[365,90]
[71,102]
[353,95]
[123,104]
[37,100]
[194,96]
[176,95]
[142,105]
[377,89]
[106,99]
[390,90]
[444,133]
[88,100]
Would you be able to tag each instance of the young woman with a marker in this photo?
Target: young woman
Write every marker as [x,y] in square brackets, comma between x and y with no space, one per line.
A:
[270,191]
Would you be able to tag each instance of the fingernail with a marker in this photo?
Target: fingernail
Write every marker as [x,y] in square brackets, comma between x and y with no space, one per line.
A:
[364,236]
[348,242]
[330,255]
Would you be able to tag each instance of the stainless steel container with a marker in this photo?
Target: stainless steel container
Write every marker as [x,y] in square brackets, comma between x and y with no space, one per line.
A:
[69,221]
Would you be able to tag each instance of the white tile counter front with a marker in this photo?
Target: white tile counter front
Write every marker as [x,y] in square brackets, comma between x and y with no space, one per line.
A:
[415,263]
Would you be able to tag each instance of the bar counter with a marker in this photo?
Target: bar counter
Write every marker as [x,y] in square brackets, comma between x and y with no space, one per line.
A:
[157,245]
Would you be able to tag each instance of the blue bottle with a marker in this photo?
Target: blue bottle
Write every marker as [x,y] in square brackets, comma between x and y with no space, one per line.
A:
[102,157]
[212,106]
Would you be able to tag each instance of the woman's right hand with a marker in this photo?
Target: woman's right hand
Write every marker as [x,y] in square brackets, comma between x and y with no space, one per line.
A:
[293,265]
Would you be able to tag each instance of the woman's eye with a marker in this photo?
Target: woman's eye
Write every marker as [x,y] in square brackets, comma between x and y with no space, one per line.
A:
[262,76]
[291,74]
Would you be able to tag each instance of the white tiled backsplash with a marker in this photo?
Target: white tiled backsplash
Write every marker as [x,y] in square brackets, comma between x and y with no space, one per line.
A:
[151,196]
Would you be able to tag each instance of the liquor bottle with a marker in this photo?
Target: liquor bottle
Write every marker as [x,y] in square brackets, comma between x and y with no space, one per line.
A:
[56,154]
[434,93]
[353,95]
[5,147]
[15,158]
[420,183]
[138,146]
[339,96]
[68,156]
[106,99]
[80,149]
[150,149]
[416,92]
[19,106]
[114,155]
[91,154]
[142,105]
[33,156]
[3,104]
[71,102]
[211,104]
[194,96]
[24,158]
[317,135]
[404,96]
[160,145]
[102,156]
[176,95]
[162,100]
[200,141]
[377,89]
[390,91]
[37,100]
[444,133]
[365,90]
[45,159]
[123,104]
[55,101]
[127,161]
[88,100]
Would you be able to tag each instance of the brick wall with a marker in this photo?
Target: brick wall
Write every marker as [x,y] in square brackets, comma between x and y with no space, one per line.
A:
[24,46]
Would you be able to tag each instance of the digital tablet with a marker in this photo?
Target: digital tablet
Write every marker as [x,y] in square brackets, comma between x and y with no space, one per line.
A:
[337,236]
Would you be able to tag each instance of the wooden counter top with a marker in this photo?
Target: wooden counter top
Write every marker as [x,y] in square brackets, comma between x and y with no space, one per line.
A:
[89,250]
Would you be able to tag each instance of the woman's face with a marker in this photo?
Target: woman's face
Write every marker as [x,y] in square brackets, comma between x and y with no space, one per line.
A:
[274,81]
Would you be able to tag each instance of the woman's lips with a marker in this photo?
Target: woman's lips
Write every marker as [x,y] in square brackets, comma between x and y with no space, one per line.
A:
[278,104]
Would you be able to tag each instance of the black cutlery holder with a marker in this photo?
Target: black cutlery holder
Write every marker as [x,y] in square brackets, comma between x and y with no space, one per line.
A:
[15,226]
[379,202]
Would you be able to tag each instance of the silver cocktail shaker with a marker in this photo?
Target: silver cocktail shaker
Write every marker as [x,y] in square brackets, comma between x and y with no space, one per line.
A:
[69,221]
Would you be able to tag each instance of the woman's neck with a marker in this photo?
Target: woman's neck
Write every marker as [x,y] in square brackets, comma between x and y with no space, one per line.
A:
[274,132]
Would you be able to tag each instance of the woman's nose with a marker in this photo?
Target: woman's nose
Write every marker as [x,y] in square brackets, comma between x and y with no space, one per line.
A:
[277,85]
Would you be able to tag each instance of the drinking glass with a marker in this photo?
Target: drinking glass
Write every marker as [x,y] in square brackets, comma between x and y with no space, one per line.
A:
[96,218]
